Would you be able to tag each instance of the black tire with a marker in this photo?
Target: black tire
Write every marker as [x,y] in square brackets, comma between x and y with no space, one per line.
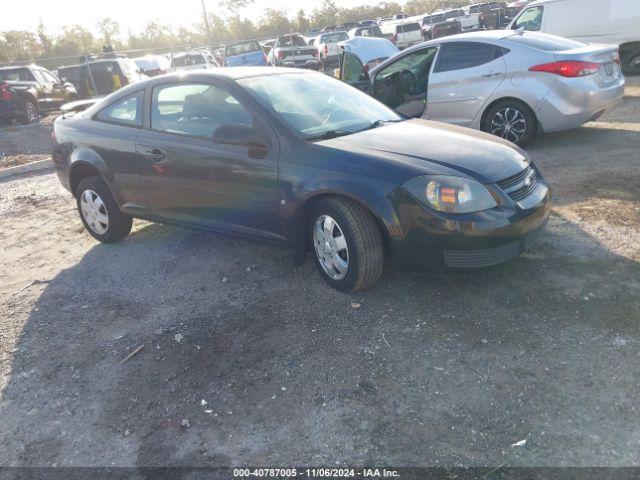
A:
[363,241]
[29,112]
[119,224]
[631,62]
[496,112]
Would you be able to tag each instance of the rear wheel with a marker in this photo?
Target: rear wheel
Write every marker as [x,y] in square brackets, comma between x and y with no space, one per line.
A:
[29,113]
[99,212]
[511,120]
[347,244]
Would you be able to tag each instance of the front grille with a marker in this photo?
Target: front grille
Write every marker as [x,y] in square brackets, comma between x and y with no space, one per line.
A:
[520,185]
[481,258]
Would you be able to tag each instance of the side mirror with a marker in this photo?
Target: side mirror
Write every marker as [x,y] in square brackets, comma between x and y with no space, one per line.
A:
[235,134]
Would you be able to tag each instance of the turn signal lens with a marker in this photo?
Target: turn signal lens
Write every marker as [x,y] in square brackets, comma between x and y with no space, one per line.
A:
[569,69]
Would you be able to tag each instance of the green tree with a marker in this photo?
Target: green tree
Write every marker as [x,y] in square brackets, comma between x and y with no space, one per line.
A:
[273,23]
[302,23]
[20,46]
[74,41]
[326,15]
[109,30]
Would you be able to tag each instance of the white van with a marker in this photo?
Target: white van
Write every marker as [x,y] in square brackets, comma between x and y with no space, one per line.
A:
[589,21]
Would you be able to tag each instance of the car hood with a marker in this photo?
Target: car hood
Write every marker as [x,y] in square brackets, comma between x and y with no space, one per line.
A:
[435,148]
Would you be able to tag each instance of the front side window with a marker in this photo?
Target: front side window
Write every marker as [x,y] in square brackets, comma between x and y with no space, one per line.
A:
[126,112]
[195,109]
[353,71]
[457,56]
[49,77]
[530,19]
[313,104]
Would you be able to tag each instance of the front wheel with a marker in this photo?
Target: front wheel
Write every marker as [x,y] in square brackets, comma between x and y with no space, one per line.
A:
[347,244]
[511,120]
[99,212]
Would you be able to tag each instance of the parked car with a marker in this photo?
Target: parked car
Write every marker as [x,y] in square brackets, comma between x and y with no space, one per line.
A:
[26,91]
[153,65]
[474,15]
[246,53]
[368,31]
[511,84]
[327,48]
[494,17]
[297,157]
[403,34]
[292,51]
[602,21]
[99,76]
[346,26]
[368,23]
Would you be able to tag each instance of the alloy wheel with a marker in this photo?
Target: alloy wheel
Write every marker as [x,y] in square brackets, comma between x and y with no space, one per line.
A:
[331,247]
[509,123]
[94,212]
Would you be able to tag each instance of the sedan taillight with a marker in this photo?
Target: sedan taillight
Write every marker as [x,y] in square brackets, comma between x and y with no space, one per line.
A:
[570,68]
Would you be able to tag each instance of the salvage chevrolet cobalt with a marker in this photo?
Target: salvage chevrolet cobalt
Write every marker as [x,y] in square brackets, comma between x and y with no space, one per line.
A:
[299,158]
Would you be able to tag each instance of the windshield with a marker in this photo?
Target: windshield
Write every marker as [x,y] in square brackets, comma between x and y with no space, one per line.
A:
[314,104]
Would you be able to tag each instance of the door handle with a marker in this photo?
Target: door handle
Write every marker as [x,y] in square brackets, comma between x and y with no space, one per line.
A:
[491,74]
[155,155]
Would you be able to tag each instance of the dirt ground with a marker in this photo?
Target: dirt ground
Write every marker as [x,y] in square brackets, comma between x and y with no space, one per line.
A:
[246,360]
[20,144]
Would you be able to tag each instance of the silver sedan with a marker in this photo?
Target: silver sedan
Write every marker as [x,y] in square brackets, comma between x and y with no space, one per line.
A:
[513,84]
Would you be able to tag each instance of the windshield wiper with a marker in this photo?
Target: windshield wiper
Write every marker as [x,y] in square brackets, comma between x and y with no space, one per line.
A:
[376,124]
[329,134]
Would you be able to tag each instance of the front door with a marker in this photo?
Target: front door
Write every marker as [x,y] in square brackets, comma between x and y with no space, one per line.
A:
[402,85]
[464,77]
[209,161]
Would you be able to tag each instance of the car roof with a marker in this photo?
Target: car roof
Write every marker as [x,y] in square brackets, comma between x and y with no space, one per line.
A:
[12,67]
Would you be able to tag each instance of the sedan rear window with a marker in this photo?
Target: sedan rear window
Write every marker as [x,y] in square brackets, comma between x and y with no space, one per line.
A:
[542,41]
[187,60]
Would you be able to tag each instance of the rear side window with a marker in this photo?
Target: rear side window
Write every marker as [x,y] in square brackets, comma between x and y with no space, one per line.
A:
[16,75]
[456,56]
[126,112]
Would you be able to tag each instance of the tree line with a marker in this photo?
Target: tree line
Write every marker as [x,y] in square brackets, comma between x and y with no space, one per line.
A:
[53,49]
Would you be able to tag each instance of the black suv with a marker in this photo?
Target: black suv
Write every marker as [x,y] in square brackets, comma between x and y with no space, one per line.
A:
[26,91]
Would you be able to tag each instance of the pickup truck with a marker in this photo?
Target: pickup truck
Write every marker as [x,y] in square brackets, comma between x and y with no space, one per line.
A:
[100,76]
[27,91]
[327,48]
[292,51]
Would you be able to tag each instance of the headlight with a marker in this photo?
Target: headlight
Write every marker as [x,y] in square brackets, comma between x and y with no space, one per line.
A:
[451,194]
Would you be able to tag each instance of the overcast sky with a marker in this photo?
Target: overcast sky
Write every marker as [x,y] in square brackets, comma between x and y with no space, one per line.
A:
[25,14]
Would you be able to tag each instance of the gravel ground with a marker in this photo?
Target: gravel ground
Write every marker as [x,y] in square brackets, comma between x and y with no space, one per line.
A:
[20,144]
[447,369]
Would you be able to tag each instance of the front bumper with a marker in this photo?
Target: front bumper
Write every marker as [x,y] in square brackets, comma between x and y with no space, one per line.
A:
[433,240]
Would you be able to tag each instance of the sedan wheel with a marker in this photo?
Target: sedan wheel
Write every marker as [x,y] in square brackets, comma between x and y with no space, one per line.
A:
[512,120]
[509,123]
[94,212]
[331,247]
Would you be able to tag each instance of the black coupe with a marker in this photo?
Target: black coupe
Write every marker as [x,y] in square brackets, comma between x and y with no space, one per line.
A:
[298,157]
